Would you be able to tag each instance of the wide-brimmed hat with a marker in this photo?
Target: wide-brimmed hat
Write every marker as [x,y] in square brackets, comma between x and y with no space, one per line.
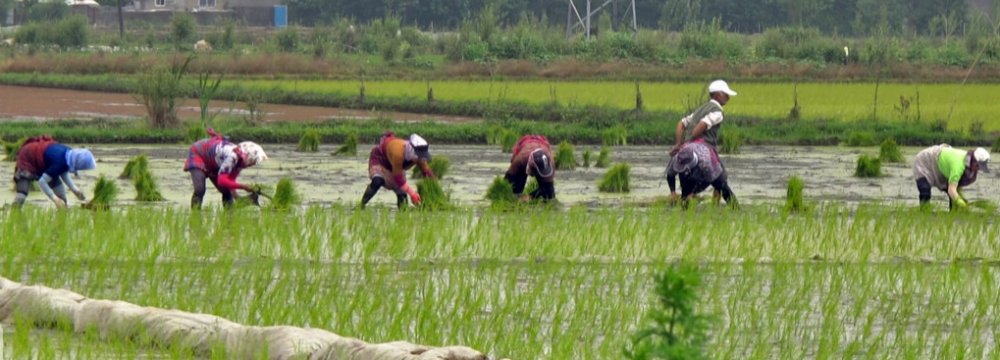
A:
[684,161]
[720,86]
[982,156]
[542,163]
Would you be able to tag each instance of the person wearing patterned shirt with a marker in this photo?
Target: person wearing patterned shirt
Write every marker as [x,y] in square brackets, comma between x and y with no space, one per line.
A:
[220,161]
[532,156]
[388,163]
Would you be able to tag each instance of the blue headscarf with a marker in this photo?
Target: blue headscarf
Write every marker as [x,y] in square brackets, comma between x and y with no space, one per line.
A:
[80,159]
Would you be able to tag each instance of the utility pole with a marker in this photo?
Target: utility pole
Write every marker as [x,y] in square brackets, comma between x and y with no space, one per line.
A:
[121,21]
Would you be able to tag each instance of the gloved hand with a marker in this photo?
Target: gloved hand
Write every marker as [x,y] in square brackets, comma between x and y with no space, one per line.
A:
[414,196]
[79,195]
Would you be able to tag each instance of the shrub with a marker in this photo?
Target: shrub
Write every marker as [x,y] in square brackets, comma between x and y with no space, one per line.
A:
[182,27]
[432,195]
[134,167]
[146,188]
[730,141]
[674,330]
[603,158]
[868,167]
[565,160]
[158,90]
[48,11]
[71,32]
[439,165]
[10,149]
[500,192]
[350,146]
[889,152]
[616,180]
[309,142]
[288,39]
[793,198]
[105,193]
[285,196]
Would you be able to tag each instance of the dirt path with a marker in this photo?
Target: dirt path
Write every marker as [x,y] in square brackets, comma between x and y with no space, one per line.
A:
[17,102]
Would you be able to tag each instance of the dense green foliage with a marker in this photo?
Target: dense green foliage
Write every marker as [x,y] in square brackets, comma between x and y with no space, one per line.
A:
[500,193]
[432,195]
[565,159]
[794,198]
[889,152]
[105,194]
[616,179]
[310,140]
[868,166]
[285,197]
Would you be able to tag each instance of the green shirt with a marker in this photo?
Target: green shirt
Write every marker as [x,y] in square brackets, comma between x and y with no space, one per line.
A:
[952,164]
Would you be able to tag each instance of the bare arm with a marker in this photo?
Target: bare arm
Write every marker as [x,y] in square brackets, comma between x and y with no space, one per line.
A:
[954,195]
[699,130]
[678,138]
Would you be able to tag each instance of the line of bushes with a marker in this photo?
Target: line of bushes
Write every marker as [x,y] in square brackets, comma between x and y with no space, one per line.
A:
[759,132]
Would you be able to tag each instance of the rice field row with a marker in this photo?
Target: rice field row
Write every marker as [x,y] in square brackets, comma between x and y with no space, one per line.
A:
[959,105]
[866,282]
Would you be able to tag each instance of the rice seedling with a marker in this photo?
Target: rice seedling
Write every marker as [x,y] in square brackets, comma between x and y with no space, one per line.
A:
[586,158]
[195,131]
[507,140]
[309,142]
[565,160]
[868,167]
[889,152]
[135,166]
[350,146]
[500,192]
[615,136]
[432,195]
[146,188]
[105,193]
[616,180]
[730,141]
[10,149]
[794,198]
[439,164]
[285,196]
[603,158]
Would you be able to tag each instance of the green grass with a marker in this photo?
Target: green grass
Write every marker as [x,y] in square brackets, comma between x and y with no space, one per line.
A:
[463,277]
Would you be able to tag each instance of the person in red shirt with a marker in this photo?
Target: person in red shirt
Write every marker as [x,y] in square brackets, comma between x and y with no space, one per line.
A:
[50,163]
[532,155]
[220,161]
[388,163]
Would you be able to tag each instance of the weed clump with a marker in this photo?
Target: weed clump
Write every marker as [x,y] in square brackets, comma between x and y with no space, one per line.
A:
[603,158]
[105,193]
[439,165]
[432,195]
[794,197]
[350,146]
[134,167]
[616,180]
[309,142]
[868,167]
[674,330]
[10,149]
[889,152]
[565,160]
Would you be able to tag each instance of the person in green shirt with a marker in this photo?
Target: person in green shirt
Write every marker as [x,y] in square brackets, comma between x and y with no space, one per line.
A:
[948,169]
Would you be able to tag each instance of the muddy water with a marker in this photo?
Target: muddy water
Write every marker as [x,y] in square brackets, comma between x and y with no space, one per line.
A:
[758,174]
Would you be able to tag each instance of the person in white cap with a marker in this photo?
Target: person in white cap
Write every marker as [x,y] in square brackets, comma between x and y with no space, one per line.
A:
[388,163]
[220,161]
[532,156]
[948,169]
[705,121]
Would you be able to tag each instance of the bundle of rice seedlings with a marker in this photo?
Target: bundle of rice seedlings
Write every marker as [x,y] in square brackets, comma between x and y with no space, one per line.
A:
[616,180]
[10,149]
[309,142]
[135,166]
[105,193]
[868,167]
[432,195]
[500,192]
[586,158]
[439,165]
[603,158]
[285,196]
[793,199]
[565,160]
[889,152]
[146,188]
[350,146]
[730,141]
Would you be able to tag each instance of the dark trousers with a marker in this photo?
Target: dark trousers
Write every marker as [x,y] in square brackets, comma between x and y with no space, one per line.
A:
[198,178]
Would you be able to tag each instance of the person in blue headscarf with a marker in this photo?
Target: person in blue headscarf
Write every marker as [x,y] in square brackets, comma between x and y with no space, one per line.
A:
[50,163]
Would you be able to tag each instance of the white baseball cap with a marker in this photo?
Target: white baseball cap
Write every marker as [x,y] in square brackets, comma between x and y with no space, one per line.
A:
[983,157]
[720,86]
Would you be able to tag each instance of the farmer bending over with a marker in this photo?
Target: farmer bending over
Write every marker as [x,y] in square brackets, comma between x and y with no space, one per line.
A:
[220,161]
[948,169]
[697,164]
[532,156]
[388,163]
[44,160]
